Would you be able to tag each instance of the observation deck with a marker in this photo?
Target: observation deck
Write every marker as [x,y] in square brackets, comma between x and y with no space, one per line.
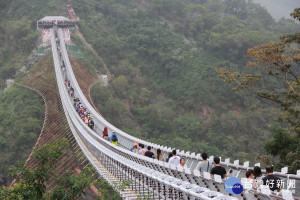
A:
[55,22]
[59,21]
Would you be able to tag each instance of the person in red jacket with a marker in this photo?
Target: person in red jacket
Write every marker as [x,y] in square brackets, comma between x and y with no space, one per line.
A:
[105,132]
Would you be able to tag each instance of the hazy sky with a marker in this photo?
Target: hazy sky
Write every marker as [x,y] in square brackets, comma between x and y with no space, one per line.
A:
[279,8]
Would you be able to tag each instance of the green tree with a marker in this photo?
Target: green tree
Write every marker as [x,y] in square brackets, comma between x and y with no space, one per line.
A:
[276,77]
[31,183]
[120,85]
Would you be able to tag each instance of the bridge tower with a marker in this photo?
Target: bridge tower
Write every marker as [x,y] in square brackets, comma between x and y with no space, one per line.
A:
[48,22]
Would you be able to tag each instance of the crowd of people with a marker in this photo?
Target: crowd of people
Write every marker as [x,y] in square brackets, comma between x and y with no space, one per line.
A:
[253,180]
[80,109]
[254,177]
[83,113]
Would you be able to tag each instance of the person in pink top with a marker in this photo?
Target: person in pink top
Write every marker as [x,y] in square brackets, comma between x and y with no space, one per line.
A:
[86,120]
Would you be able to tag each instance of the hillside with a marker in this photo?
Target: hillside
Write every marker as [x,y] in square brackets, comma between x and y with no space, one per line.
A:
[18,33]
[22,110]
[162,56]
[21,120]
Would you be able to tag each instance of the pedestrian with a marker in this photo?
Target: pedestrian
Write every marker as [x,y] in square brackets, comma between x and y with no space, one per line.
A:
[114,139]
[204,165]
[86,120]
[159,155]
[257,177]
[218,169]
[174,160]
[141,150]
[248,181]
[274,182]
[80,112]
[68,88]
[78,102]
[105,132]
[91,123]
[82,117]
[134,148]
[149,153]
[74,102]
[182,162]
[169,156]
[72,91]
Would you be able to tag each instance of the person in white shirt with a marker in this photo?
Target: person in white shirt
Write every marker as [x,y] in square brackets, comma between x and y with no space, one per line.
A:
[248,181]
[174,160]
[182,162]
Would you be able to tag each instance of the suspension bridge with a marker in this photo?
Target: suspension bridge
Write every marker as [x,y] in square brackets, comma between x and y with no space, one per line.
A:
[148,178]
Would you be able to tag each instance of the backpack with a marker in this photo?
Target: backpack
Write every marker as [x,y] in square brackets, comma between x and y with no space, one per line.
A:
[114,138]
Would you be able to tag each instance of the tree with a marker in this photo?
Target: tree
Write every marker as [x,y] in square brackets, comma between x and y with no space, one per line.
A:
[31,183]
[120,85]
[275,76]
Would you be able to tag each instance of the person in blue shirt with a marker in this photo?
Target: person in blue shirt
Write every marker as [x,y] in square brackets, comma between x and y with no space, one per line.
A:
[114,139]
[134,148]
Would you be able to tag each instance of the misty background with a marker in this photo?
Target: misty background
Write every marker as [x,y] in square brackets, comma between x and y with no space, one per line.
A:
[279,8]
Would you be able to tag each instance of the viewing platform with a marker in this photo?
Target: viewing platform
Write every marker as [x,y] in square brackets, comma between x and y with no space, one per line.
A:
[59,21]
[48,22]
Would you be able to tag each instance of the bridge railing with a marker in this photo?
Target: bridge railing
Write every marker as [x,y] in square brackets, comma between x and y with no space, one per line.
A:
[127,140]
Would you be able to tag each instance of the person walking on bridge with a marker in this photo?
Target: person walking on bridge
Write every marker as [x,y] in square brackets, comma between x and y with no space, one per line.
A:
[204,165]
[218,169]
[274,182]
[182,162]
[159,155]
[149,153]
[134,148]
[71,91]
[114,139]
[91,123]
[141,150]
[174,160]
[105,132]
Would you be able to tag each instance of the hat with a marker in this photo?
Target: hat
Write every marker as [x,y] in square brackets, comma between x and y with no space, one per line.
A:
[135,144]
